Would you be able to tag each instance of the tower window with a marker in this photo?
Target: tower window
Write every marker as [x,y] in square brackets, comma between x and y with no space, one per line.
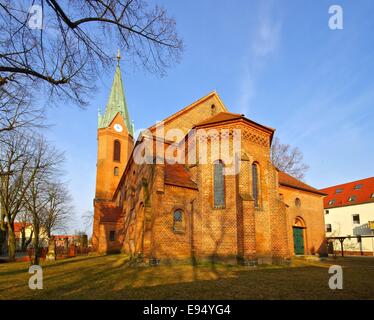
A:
[112,235]
[178,221]
[117,151]
[116,171]
[219,185]
[255,184]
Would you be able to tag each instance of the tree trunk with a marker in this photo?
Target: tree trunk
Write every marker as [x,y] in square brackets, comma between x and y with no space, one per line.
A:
[2,238]
[28,241]
[23,238]
[11,242]
[35,242]
[3,226]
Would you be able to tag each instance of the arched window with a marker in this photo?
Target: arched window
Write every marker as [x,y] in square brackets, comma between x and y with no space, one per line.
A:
[255,184]
[117,151]
[219,185]
[178,221]
[297,202]
[116,171]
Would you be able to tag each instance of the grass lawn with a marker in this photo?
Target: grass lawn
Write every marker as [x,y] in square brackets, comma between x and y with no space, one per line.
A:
[109,277]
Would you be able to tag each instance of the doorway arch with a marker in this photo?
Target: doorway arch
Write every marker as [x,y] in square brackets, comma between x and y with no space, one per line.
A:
[299,237]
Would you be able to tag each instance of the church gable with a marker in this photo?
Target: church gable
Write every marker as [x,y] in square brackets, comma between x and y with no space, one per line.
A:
[194,113]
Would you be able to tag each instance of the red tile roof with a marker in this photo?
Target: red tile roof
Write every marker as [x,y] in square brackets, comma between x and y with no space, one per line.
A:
[58,237]
[363,194]
[219,117]
[228,116]
[289,181]
[19,225]
[177,175]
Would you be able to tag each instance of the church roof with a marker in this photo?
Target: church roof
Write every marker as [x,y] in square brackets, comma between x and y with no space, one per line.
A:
[116,103]
[289,181]
[220,117]
[177,175]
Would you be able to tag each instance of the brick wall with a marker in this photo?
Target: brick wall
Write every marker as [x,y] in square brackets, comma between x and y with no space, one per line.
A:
[310,214]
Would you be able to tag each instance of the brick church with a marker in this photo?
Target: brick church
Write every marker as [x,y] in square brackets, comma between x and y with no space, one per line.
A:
[161,211]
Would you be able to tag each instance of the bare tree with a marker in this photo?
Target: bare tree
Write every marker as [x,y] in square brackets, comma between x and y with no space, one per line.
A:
[45,160]
[16,109]
[88,218]
[58,209]
[25,221]
[16,174]
[23,161]
[288,159]
[66,50]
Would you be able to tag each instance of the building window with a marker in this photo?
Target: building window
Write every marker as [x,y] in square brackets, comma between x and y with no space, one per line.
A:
[116,171]
[178,221]
[372,195]
[331,202]
[357,186]
[326,211]
[339,191]
[352,198]
[297,202]
[356,219]
[255,184]
[112,235]
[219,185]
[117,151]
[328,227]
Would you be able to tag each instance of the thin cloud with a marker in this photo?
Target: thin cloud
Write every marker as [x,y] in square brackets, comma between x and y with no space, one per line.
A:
[264,43]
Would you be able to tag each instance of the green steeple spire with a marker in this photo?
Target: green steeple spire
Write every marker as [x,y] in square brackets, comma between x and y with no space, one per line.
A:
[116,102]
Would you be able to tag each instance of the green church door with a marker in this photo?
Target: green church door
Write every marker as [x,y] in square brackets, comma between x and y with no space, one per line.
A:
[298,240]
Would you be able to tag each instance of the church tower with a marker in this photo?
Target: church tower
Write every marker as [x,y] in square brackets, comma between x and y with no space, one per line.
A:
[115,139]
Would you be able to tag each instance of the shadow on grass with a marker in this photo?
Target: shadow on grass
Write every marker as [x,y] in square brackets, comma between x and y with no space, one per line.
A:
[103,277]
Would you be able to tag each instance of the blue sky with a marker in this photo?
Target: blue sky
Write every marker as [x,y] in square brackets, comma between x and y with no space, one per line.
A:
[275,61]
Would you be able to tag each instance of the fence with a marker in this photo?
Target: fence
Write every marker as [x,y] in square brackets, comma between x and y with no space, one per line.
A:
[61,252]
[42,252]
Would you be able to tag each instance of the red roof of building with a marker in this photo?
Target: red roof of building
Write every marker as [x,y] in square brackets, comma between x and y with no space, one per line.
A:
[229,116]
[177,175]
[347,194]
[19,225]
[65,236]
[219,117]
[289,181]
